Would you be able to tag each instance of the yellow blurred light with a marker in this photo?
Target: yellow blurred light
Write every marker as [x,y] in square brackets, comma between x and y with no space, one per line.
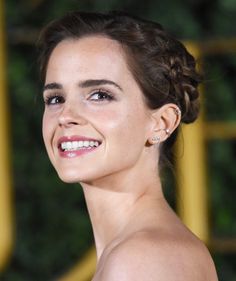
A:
[6,229]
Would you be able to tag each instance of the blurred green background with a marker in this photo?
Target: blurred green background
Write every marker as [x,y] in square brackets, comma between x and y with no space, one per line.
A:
[52,227]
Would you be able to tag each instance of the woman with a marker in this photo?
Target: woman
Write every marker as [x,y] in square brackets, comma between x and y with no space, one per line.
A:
[116,88]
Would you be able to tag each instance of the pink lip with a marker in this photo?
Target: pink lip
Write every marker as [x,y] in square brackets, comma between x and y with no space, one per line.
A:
[75,153]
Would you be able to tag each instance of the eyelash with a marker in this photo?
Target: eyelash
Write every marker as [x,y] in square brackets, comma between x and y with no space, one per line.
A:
[48,100]
[60,99]
[105,95]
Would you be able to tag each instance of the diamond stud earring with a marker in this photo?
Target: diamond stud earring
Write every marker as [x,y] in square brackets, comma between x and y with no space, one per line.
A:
[155,139]
[167,131]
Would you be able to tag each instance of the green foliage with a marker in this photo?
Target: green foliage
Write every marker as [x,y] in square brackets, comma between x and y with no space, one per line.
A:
[220,98]
[222,179]
[52,227]
[226,264]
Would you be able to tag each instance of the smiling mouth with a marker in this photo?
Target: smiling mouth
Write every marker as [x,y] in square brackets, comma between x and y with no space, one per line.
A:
[78,145]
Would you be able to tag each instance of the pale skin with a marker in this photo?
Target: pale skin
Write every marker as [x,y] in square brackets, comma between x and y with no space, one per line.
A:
[137,235]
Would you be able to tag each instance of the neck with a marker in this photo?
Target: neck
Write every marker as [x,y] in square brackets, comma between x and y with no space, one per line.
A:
[112,208]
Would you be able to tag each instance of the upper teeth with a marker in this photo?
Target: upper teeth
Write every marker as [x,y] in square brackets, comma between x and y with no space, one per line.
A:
[73,145]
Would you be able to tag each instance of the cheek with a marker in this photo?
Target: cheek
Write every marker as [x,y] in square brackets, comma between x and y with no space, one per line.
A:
[109,121]
[46,128]
[126,125]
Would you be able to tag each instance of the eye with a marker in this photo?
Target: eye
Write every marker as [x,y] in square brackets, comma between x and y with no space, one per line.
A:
[100,95]
[54,99]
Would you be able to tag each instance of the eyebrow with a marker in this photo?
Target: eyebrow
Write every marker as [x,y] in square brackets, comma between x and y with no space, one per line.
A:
[98,82]
[52,86]
[83,84]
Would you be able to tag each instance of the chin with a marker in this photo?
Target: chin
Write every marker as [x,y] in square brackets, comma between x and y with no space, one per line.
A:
[69,177]
[76,176]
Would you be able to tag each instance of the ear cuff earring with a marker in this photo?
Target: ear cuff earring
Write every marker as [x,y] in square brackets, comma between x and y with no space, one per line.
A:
[177,111]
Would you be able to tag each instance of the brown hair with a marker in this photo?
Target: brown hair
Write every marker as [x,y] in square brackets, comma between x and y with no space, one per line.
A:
[160,64]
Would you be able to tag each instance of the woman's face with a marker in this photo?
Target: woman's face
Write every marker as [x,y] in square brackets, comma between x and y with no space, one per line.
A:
[95,122]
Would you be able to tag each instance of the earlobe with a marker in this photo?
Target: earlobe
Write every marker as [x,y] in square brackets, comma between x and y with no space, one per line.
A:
[154,140]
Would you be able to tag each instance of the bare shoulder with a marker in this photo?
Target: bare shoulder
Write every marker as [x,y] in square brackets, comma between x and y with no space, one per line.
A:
[152,256]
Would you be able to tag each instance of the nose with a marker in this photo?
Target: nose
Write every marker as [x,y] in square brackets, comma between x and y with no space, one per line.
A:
[70,116]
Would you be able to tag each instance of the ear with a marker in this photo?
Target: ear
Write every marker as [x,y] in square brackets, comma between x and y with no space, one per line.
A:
[165,119]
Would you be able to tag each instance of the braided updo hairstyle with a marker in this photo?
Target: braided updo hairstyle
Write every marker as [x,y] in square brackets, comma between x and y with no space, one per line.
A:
[160,64]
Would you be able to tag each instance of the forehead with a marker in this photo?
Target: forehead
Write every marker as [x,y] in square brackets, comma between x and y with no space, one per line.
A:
[94,55]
